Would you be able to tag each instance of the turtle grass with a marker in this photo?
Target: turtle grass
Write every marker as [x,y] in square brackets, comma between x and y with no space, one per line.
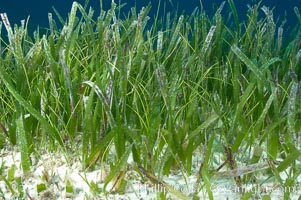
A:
[159,91]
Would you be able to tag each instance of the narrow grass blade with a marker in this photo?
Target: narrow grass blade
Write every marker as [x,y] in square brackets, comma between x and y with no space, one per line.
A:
[8,184]
[7,25]
[208,185]
[159,44]
[208,41]
[272,144]
[67,78]
[238,114]
[297,14]
[189,152]
[162,80]
[279,39]
[25,160]
[235,15]
[291,116]
[1,34]
[104,100]
[243,170]
[51,24]
[120,166]
[248,62]
[289,160]
[103,144]
[87,126]
[204,171]
[269,63]
[211,119]
[175,36]
[34,50]
[60,18]
[67,29]
[264,113]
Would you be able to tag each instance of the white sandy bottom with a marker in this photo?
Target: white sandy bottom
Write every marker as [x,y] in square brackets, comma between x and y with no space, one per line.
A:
[52,170]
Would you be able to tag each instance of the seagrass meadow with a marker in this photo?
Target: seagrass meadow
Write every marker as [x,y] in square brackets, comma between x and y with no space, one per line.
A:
[214,102]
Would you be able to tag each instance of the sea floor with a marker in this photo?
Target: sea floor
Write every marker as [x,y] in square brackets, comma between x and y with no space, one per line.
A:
[52,176]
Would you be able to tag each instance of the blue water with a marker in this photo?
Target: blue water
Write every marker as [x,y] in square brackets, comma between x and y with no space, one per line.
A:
[38,9]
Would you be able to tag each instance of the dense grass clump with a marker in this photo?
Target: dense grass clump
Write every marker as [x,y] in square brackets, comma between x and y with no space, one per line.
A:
[161,93]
